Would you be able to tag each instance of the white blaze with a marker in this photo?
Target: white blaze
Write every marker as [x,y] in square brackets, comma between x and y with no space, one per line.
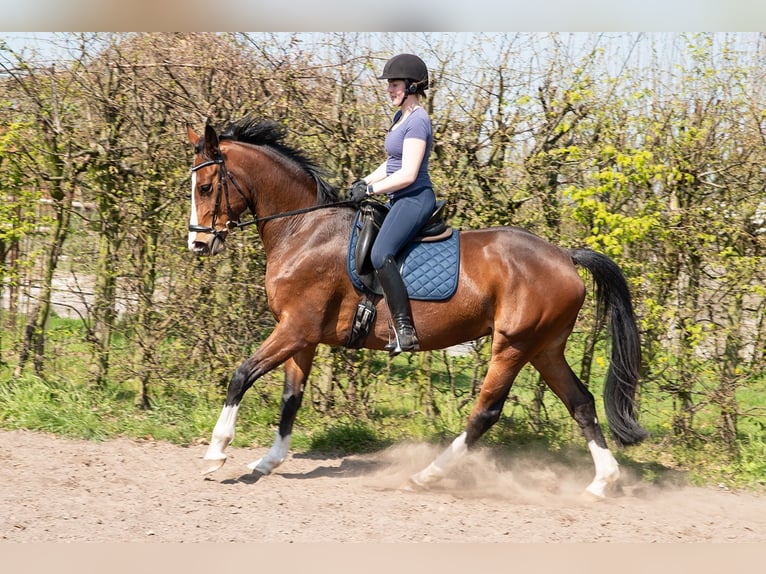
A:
[193,217]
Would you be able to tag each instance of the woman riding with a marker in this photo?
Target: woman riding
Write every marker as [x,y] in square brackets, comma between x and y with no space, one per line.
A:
[404,178]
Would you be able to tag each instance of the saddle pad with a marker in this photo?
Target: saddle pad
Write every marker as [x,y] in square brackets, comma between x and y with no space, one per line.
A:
[430,270]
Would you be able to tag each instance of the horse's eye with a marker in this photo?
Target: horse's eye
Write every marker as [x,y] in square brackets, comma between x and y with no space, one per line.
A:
[205,188]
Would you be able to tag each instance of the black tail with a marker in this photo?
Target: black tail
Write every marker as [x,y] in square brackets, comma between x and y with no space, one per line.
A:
[614,301]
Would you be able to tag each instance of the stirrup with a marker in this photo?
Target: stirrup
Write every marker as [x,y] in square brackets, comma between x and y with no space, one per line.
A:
[395,347]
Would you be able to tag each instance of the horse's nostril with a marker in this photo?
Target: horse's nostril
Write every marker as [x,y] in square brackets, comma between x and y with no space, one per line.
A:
[200,247]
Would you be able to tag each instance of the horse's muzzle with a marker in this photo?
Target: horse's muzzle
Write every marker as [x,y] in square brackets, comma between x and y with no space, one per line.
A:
[200,248]
[211,241]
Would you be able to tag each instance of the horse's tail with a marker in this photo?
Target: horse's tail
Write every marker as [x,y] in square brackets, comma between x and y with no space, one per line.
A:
[613,301]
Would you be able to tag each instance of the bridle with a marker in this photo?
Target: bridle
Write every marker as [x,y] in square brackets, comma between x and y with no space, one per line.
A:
[222,190]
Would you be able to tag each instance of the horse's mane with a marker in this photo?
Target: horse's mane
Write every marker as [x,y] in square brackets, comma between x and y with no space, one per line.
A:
[271,134]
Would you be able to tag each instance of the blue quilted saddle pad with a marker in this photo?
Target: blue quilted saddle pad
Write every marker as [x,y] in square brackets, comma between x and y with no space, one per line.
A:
[429,269]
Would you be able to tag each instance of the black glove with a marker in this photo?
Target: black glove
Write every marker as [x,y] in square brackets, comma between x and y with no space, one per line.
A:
[357,191]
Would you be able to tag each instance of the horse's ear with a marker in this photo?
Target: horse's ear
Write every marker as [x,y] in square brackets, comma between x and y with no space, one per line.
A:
[192,135]
[211,142]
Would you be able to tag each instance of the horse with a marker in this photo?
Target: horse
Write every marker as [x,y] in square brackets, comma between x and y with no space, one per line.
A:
[515,287]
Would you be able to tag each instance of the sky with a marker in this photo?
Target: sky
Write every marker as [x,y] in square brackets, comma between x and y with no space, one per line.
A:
[385,15]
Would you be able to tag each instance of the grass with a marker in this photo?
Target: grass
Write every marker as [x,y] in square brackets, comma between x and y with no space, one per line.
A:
[64,404]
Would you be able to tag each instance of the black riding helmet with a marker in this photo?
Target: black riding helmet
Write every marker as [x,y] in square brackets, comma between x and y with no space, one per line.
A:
[409,68]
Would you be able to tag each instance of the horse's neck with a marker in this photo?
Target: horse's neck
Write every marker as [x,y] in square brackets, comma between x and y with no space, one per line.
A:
[277,187]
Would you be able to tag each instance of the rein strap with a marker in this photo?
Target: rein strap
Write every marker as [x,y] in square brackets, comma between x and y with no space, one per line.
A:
[292,213]
[224,173]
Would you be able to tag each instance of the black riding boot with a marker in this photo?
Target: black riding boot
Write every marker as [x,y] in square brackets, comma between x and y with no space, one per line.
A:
[398,303]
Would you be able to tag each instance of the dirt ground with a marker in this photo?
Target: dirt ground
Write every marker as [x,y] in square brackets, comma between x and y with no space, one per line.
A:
[60,490]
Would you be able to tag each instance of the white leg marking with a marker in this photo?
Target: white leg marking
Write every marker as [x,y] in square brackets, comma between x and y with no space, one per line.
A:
[438,468]
[193,216]
[223,433]
[607,470]
[276,456]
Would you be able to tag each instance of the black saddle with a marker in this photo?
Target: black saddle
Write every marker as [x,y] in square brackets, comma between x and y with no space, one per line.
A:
[372,213]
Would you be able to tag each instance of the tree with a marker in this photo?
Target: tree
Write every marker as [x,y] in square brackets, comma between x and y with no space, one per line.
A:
[45,97]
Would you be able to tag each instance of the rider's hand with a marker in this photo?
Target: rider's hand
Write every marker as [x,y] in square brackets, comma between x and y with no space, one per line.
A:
[357,191]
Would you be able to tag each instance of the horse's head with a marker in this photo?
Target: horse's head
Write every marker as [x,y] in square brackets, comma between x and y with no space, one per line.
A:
[213,209]
[253,154]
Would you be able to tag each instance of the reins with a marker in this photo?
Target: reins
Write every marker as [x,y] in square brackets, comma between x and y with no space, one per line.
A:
[240,225]
[231,223]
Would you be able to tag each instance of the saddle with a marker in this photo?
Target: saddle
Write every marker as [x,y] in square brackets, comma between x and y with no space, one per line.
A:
[371,216]
[429,265]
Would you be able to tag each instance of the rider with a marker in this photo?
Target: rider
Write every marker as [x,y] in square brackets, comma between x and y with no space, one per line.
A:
[404,178]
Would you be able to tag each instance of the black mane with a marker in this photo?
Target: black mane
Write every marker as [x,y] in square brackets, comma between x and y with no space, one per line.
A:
[271,134]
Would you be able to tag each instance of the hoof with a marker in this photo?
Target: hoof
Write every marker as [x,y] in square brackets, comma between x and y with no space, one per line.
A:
[261,465]
[603,491]
[215,466]
[411,485]
[589,495]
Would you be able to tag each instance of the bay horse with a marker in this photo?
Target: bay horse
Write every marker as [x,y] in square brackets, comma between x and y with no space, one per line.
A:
[513,286]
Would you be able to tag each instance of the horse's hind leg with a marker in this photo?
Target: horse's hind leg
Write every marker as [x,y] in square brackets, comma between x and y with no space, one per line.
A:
[501,373]
[296,373]
[579,401]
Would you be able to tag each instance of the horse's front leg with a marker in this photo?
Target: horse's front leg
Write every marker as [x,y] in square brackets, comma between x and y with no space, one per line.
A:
[276,349]
[297,370]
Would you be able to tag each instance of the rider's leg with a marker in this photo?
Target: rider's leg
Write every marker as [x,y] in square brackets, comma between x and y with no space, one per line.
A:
[399,306]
